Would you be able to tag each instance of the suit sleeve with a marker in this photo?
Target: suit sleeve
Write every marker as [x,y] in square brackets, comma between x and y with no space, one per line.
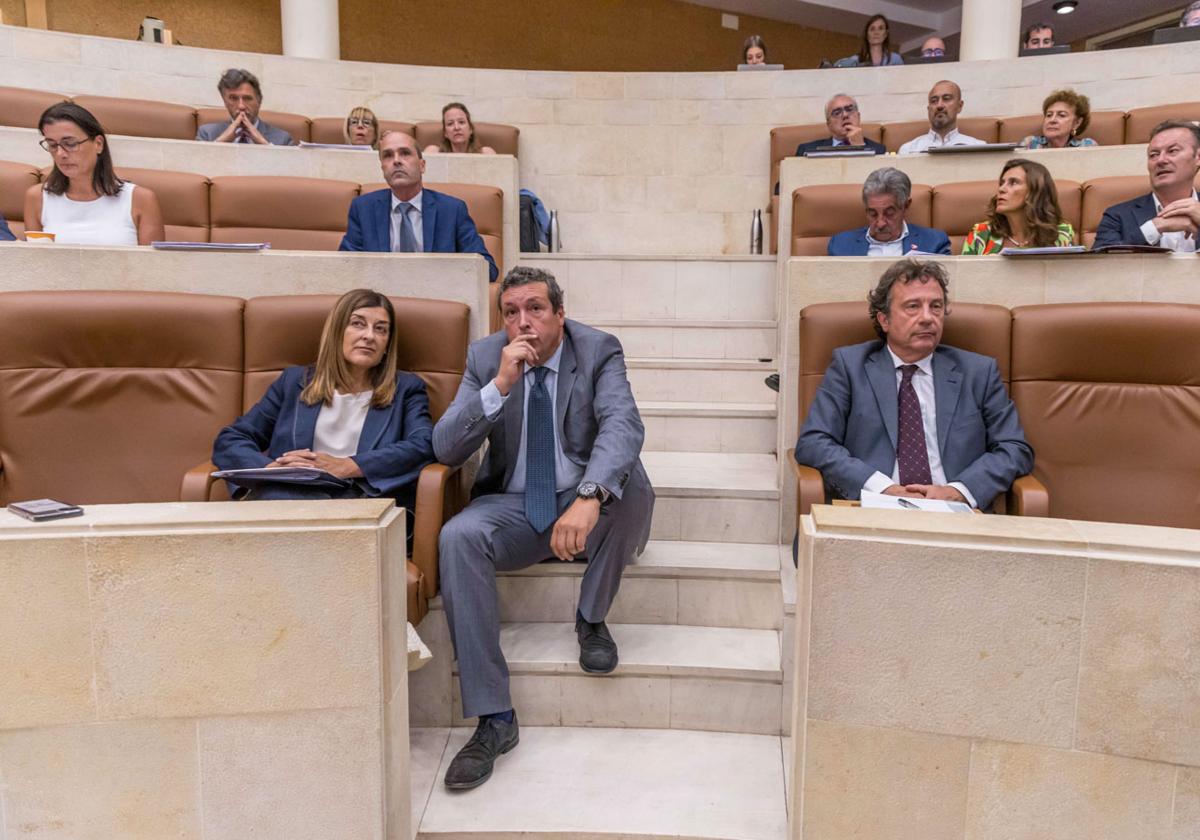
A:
[943,243]
[1111,230]
[241,444]
[464,426]
[823,435]
[396,464]
[353,239]
[1008,455]
[468,241]
[621,433]
[6,234]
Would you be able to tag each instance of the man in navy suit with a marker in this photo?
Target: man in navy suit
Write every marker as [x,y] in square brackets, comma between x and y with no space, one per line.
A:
[6,235]
[887,195]
[408,217]
[1169,215]
[845,127]
[907,416]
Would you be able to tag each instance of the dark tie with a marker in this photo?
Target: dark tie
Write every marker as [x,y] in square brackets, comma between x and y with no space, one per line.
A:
[540,507]
[408,239]
[911,454]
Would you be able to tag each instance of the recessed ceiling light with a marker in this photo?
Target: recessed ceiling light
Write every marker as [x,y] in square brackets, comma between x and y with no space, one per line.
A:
[1065,7]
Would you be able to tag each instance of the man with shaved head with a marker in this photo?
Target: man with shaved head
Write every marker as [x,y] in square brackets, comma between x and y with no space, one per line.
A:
[945,103]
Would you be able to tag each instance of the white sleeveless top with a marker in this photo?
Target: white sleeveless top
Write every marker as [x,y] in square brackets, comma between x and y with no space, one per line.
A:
[340,425]
[108,220]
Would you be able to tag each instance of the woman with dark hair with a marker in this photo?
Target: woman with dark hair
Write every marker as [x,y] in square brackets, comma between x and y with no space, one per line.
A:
[1024,213]
[1065,117]
[361,128]
[754,51]
[876,47]
[353,414]
[458,133]
[82,201]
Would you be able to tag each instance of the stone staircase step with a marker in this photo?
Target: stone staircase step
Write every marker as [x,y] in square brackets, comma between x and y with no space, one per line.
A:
[589,783]
[708,427]
[661,379]
[714,497]
[665,338]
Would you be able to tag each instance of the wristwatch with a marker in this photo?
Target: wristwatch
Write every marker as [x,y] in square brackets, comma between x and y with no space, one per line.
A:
[592,490]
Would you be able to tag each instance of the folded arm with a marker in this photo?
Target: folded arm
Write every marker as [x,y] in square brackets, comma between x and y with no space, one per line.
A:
[1109,232]
[241,444]
[464,426]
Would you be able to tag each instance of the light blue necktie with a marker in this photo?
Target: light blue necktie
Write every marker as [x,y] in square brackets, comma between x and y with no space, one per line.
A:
[408,238]
[540,507]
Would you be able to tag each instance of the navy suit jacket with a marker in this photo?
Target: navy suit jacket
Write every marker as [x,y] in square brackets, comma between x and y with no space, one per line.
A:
[804,148]
[396,441]
[853,243]
[1121,223]
[850,431]
[446,225]
[6,235]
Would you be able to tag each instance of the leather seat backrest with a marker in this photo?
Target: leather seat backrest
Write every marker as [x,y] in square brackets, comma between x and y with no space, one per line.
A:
[286,330]
[979,327]
[958,207]
[1109,395]
[896,134]
[15,179]
[1141,121]
[821,210]
[22,108]
[785,139]
[111,396]
[1107,128]
[486,206]
[183,198]
[296,125]
[1101,193]
[141,117]
[307,214]
[329,129]
[503,138]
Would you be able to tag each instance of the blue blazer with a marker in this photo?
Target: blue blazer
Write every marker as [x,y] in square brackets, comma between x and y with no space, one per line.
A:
[396,441]
[805,148]
[1121,223]
[853,243]
[6,235]
[446,225]
[850,431]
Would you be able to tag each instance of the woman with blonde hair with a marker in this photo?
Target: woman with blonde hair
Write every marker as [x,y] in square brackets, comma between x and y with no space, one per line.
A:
[353,414]
[1024,213]
[458,133]
[361,128]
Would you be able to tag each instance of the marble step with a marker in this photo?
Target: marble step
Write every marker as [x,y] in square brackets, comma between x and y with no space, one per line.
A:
[709,426]
[662,379]
[657,337]
[669,677]
[700,584]
[714,496]
[615,784]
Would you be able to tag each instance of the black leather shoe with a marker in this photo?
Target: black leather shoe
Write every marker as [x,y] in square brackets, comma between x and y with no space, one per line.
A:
[597,650]
[473,765]
[772,381]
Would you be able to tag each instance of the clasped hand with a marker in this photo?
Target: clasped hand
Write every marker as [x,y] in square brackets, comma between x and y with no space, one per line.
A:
[243,123]
[926,491]
[340,467]
[569,537]
[1182,216]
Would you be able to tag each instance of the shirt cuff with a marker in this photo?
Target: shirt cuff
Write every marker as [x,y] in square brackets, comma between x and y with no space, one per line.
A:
[1150,232]
[489,396]
[877,483]
[962,488]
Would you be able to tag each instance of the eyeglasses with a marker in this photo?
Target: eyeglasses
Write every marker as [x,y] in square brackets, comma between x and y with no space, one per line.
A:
[935,52]
[361,121]
[68,144]
[845,110]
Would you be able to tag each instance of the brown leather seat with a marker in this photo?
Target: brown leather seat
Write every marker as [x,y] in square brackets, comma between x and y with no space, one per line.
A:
[957,207]
[1101,193]
[329,129]
[503,138]
[141,117]
[896,134]
[290,213]
[22,108]
[1107,128]
[820,211]
[15,179]
[1109,395]
[183,198]
[1141,121]
[110,396]
[296,125]
[484,203]
[785,139]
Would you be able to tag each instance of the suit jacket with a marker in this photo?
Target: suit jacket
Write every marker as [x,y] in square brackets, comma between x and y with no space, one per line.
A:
[394,445]
[446,225]
[1121,223]
[805,148]
[6,235]
[853,243]
[850,431]
[275,136]
[598,422]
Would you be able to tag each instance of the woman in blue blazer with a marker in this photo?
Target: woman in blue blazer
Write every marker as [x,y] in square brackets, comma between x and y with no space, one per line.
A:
[353,414]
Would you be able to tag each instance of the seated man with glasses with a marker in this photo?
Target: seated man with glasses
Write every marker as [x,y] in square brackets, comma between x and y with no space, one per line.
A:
[933,47]
[845,125]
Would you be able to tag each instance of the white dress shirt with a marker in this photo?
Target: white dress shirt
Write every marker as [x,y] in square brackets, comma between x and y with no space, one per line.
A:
[895,248]
[1175,240]
[340,424]
[414,216]
[567,474]
[933,140]
[922,382]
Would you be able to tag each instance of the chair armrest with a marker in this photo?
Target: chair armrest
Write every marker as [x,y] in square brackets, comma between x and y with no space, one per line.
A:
[1027,497]
[197,483]
[440,495]
[810,487]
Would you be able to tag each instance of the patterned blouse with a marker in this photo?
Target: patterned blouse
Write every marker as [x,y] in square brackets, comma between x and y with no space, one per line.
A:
[1039,141]
[980,241]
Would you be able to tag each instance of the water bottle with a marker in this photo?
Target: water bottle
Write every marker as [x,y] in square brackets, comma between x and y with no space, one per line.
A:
[756,233]
[555,239]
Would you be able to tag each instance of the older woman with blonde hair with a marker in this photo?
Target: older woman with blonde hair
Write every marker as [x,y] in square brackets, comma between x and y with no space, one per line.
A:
[1024,213]
[353,414]
[1065,117]
[361,128]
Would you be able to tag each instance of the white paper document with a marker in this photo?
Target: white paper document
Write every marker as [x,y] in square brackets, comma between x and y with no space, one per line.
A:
[210,246]
[882,500]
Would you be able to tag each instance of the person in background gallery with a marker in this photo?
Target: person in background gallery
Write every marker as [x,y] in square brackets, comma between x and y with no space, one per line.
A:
[1065,117]
[876,47]
[458,133]
[754,51]
[361,128]
[242,96]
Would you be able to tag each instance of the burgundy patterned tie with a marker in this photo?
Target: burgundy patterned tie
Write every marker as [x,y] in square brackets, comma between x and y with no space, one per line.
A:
[911,454]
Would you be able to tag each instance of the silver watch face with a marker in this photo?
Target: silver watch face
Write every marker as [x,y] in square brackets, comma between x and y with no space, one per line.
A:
[588,490]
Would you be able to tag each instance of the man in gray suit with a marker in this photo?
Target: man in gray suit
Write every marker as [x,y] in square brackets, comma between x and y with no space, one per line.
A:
[242,96]
[561,478]
[907,416]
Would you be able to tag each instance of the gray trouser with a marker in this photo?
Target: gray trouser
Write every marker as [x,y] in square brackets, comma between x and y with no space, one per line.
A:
[492,535]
